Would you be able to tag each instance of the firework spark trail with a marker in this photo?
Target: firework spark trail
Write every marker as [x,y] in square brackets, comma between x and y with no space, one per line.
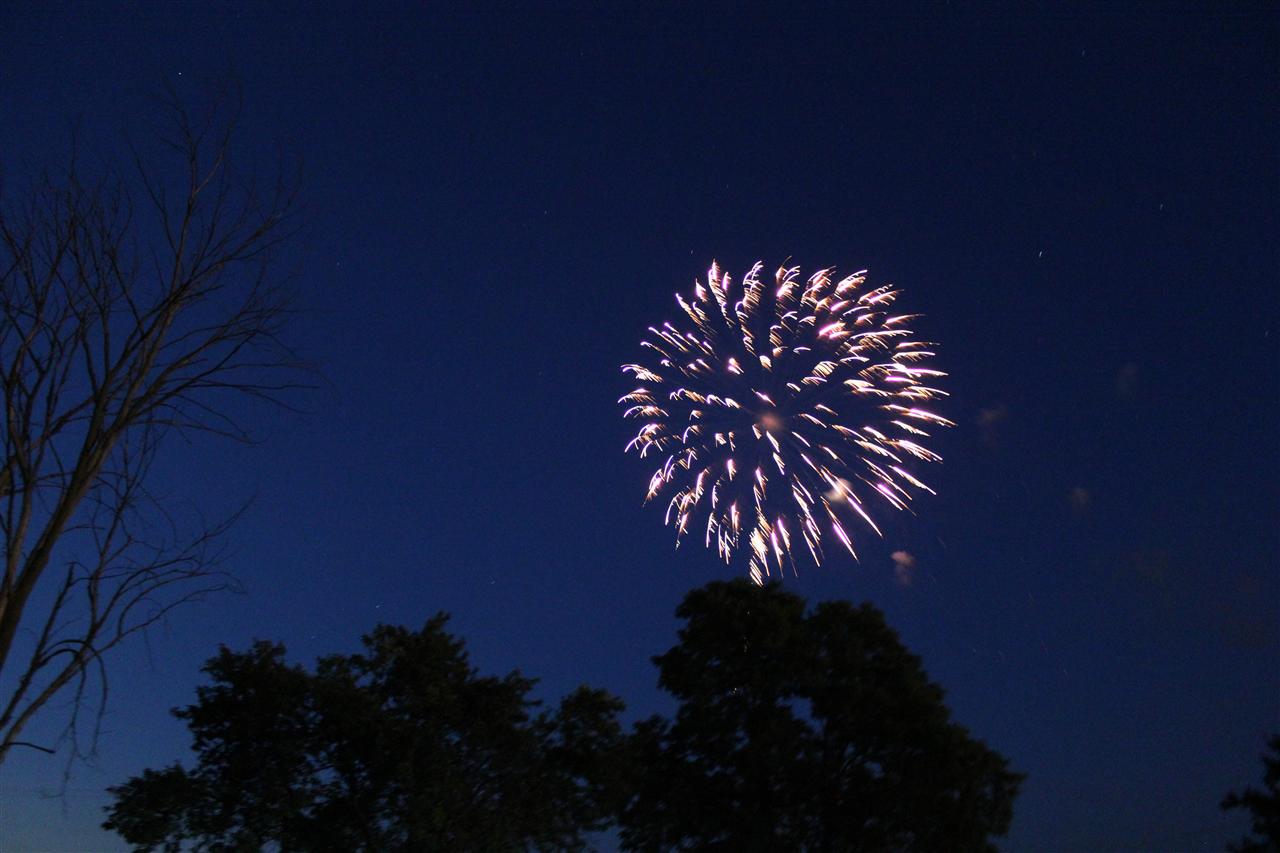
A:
[783,413]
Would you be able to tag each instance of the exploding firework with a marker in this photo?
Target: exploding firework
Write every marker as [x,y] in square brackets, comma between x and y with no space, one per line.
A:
[786,412]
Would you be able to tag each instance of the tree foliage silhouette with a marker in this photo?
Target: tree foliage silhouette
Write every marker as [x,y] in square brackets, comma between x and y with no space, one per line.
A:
[1262,805]
[795,731]
[800,731]
[403,747]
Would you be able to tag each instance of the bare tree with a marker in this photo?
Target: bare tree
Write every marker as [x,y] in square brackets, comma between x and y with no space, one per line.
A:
[133,305]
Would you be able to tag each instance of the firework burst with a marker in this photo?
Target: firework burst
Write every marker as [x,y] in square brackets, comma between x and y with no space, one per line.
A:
[784,413]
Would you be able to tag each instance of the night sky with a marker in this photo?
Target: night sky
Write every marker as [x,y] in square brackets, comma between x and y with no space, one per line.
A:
[1084,205]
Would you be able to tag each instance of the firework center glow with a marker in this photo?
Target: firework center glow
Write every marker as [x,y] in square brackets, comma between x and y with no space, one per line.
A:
[771,421]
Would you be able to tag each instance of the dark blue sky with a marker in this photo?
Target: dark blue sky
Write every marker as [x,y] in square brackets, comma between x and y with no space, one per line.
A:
[1084,204]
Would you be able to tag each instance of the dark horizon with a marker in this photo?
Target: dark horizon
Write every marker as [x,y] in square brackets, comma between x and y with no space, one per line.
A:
[500,199]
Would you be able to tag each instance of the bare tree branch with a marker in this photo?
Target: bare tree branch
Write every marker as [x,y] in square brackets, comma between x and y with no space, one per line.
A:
[110,342]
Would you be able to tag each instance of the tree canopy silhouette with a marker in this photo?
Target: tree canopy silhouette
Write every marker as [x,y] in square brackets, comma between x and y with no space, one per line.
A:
[404,747]
[806,731]
[1263,806]
[795,731]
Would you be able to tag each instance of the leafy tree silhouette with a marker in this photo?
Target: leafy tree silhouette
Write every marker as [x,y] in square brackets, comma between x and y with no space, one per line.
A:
[798,731]
[404,747]
[795,731]
[1264,806]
